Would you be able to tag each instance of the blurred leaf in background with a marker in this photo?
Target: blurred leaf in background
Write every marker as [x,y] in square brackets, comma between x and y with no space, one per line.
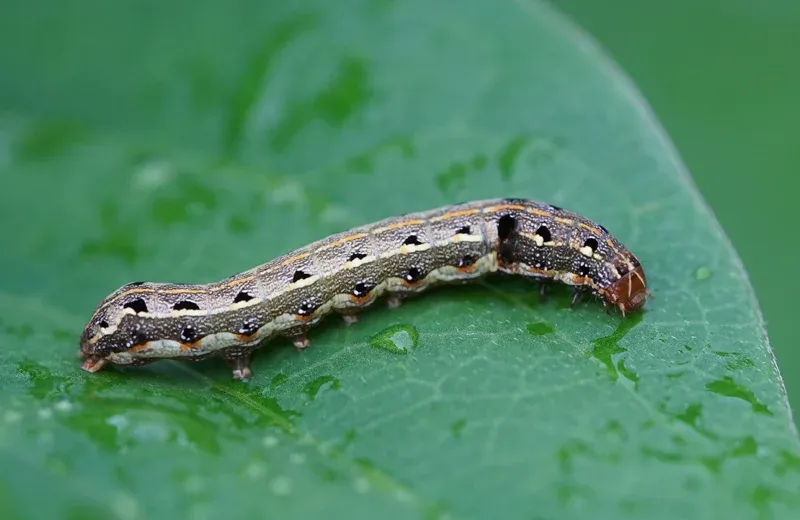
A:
[187,141]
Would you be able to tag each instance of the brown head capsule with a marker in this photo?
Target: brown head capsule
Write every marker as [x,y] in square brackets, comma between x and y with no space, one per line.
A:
[629,293]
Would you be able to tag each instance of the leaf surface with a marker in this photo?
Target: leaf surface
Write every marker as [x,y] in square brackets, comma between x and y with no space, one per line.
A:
[186,141]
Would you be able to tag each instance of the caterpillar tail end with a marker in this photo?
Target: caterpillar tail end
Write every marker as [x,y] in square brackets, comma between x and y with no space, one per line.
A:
[93,364]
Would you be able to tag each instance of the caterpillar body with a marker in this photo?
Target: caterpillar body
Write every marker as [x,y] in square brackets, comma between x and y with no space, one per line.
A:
[143,322]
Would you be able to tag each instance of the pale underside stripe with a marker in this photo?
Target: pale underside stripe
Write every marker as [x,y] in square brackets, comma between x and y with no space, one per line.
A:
[218,341]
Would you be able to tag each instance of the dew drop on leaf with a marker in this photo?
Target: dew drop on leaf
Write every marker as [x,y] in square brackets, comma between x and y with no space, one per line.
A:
[702,273]
[397,339]
[313,387]
[539,329]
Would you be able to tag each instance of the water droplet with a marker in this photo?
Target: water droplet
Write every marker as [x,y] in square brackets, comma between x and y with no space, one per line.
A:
[281,486]
[788,462]
[152,173]
[346,95]
[139,427]
[255,470]
[607,347]
[297,458]
[509,155]
[627,373]
[397,339]
[349,436]
[62,335]
[238,224]
[702,273]
[270,441]
[762,499]
[540,328]
[457,427]
[735,361]
[194,484]
[313,387]
[63,406]
[453,178]
[46,439]
[289,193]
[480,161]
[11,416]
[125,506]
[729,388]
[733,448]
[691,417]
[362,485]
[614,428]
[364,162]
[49,139]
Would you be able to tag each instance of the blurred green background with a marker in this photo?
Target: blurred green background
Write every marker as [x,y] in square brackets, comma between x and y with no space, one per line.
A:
[723,77]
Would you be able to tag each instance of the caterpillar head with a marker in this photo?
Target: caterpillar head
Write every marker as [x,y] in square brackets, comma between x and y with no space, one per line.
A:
[629,293]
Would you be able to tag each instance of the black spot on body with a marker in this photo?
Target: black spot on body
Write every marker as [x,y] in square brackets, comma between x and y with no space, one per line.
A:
[186,305]
[413,275]
[242,297]
[584,270]
[465,261]
[300,275]
[188,333]
[505,253]
[103,324]
[464,231]
[136,338]
[248,327]
[544,232]
[412,240]
[506,227]
[362,289]
[138,305]
[356,256]
[591,243]
[307,307]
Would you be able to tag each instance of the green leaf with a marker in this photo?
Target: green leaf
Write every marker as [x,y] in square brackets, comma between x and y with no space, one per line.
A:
[185,141]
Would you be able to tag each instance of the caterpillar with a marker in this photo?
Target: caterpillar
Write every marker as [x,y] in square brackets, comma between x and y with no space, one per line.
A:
[141,322]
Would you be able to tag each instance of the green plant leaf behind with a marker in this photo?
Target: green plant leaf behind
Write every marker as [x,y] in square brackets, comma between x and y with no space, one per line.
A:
[185,141]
